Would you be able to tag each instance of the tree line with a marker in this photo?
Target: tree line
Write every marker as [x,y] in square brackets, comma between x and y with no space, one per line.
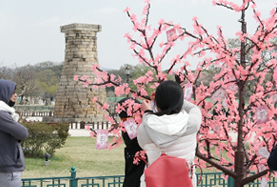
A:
[39,80]
[42,79]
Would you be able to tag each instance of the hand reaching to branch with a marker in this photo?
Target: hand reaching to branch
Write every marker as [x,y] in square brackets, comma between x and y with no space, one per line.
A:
[152,96]
[146,105]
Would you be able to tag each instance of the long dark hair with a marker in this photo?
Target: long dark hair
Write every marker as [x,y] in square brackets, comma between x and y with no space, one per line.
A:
[169,98]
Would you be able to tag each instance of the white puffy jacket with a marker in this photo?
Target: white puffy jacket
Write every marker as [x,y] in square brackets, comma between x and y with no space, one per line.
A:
[175,134]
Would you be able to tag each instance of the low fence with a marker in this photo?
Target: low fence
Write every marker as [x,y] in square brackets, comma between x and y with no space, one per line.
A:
[73,181]
[38,116]
[207,180]
[34,107]
[93,125]
[28,113]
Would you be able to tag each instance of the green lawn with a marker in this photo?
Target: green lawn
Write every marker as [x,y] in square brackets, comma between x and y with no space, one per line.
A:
[81,153]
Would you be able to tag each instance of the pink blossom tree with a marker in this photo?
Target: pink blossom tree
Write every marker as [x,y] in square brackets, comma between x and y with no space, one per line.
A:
[235,142]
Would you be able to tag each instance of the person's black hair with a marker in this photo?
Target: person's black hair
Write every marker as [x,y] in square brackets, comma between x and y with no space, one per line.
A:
[169,98]
[123,114]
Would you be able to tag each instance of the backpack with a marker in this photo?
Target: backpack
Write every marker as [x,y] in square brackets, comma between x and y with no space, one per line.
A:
[168,171]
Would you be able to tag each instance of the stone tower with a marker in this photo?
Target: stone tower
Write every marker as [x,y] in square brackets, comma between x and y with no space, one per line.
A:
[73,101]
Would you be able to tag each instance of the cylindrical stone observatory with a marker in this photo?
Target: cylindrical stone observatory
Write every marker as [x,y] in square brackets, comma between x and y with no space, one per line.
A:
[72,99]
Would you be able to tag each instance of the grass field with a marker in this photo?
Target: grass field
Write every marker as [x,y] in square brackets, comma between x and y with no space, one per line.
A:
[81,153]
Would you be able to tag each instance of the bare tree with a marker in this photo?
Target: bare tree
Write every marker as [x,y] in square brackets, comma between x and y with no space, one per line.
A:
[26,80]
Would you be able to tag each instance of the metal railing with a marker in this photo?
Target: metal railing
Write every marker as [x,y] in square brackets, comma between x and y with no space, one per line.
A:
[73,181]
[207,180]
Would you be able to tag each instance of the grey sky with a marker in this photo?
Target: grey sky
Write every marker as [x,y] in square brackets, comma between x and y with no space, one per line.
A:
[30,29]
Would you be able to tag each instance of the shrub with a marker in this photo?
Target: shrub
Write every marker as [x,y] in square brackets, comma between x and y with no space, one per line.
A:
[44,137]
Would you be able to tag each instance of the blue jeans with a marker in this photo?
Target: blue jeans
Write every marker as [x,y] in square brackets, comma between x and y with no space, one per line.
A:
[12,179]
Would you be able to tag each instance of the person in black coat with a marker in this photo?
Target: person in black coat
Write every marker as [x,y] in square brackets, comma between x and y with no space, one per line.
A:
[133,171]
[12,161]
[272,159]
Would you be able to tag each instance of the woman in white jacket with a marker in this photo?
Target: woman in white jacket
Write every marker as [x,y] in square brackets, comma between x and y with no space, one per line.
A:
[173,128]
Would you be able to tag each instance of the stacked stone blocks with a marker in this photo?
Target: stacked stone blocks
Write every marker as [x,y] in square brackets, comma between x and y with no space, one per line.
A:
[73,100]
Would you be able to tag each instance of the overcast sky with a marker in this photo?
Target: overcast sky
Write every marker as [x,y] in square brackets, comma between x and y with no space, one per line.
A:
[30,29]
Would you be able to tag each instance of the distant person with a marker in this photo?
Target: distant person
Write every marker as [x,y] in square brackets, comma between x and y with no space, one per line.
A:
[133,171]
[11,134]
[172,129]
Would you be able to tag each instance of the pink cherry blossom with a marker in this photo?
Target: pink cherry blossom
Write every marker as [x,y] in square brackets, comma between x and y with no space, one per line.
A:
[76,78]
[92,134]
[87,127]
[195,18]
[161,21]
[127,9]
[105,106]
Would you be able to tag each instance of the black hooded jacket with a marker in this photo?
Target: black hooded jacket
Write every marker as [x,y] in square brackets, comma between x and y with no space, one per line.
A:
[133,172]
[11,132]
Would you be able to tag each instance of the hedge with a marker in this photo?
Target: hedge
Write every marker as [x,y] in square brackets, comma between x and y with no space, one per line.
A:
[44,137]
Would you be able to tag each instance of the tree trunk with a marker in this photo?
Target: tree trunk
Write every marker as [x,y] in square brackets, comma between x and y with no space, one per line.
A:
[239,154]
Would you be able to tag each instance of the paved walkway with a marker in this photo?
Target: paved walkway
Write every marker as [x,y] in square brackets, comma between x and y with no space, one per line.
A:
[72,132]
[78,132]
